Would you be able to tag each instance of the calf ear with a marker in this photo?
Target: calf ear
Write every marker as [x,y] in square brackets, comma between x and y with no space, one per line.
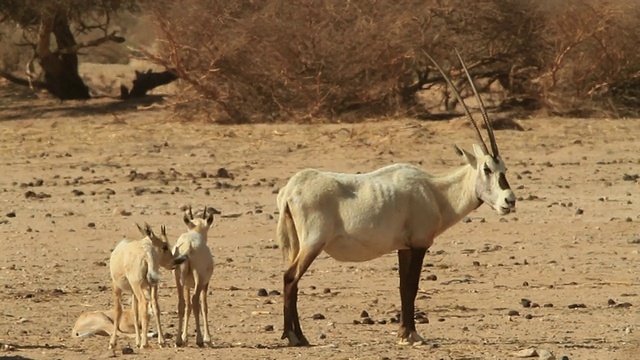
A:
[148,231]
[210,219]
[141,230]
[471,160]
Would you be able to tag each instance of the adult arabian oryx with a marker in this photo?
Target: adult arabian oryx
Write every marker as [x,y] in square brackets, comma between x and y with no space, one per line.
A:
[359,217]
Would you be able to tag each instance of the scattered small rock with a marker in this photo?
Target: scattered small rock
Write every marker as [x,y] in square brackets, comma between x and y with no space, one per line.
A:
[528,316]
[635,240]
[611,302]
[577,306]
[546,355]
[364,314]
[326,291]
[579,211]
[322,336]
[368,321]
[262,292]
[431,277]
[318,316]
[624,305]
[274,292]
[224,173]
[127,350]
[268,328]
[548,305]
[526,353]
[513,313]
[525,303]
[77,192]
[32,195]
[91,225]
[11,214]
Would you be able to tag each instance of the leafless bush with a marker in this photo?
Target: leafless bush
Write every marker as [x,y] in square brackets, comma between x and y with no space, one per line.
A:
[262,60]
[257,61]
[593,61]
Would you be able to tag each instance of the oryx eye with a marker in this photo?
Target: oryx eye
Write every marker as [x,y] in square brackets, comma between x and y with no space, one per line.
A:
[487,171]
[165,248]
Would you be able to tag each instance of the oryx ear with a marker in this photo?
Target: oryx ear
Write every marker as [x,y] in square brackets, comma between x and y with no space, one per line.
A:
[467,155]
[478,151]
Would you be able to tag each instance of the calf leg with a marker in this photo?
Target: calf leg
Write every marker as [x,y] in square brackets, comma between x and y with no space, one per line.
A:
[141,315]
[292,328]
[410,265]
[195,304]
[117,307]
[156,313]
[181,306]
[136,317]
[205,314]
[187,313]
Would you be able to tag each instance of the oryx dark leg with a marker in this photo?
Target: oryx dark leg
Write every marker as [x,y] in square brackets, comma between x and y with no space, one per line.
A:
[292,330]
[410,265]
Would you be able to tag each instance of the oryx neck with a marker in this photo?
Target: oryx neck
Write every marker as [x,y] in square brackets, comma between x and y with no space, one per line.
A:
[456,195]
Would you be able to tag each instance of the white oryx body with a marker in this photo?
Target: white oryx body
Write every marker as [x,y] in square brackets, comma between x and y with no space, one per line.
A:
[375,213]
[359,217]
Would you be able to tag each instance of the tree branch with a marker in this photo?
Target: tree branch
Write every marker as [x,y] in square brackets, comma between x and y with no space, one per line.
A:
[44,37]
[20,81]
[95,42]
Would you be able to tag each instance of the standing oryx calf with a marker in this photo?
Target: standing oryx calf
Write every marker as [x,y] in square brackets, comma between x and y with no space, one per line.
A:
[398,207]
[134,266]
[194,273]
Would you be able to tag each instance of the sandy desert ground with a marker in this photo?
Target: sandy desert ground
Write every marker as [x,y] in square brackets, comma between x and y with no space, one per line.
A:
[76,177]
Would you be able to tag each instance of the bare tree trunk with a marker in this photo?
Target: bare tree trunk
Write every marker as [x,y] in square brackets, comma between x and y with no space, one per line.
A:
[60,68]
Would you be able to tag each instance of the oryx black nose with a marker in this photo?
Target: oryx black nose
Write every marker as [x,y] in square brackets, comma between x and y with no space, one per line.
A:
[510,202]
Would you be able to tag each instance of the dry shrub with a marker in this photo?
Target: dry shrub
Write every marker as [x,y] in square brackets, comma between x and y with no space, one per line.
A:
[592,65]
[264,61]
[261,60]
